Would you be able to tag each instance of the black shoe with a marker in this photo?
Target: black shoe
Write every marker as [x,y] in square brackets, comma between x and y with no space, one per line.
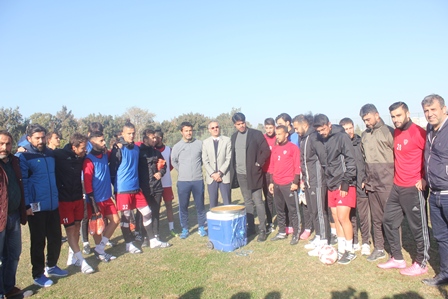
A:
[294,240]
[64,239]
[333,240]
[269,228]
[262,236]
[279,236]
[347,257]
[436,281]
[250,232]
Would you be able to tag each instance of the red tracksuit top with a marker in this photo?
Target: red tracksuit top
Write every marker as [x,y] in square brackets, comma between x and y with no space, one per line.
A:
[285,163]
[409,145]
[271,142]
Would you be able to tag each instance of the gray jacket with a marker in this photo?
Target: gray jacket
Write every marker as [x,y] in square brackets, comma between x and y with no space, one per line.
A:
[186,158]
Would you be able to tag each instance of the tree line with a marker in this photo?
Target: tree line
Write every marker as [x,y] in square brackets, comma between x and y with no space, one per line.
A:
[65,123]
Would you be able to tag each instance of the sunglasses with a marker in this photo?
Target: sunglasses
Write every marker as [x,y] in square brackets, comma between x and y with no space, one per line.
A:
[217,127]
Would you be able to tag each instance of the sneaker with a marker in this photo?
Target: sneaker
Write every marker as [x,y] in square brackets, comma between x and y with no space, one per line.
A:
[43,281]
[315,251]
[86,249]
[346,258]
[333,240]
[279,236]
[289,230]
[111,243]
[138,237]
[161,245]
[312,245]
[131,248]
[262,236]
[340,254]
[269,228]
[294,240]
[145,243]
[356,247]
[71,258]
[184,233]
[202,232]
[105,257]
[414,270]
[173,233]
[14,292]
[305,235]
[438,280]
[376,255]
[86,269]
[55,271]
[392,264]
[365,249]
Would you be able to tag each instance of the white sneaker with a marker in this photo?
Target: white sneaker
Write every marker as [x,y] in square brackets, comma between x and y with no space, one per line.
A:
[71,259]
[86,269]
[356,247]
[313,244]
[314,252]
[132,249]
[365,249]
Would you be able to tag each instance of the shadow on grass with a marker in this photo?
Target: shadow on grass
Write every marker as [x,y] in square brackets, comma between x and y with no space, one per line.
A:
[246,295]
[193,293]
[351,293]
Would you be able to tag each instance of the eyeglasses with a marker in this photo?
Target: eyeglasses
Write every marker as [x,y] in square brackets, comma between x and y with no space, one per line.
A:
[217,127]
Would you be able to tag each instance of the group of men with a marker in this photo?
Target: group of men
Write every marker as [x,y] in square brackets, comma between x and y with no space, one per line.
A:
[377,178]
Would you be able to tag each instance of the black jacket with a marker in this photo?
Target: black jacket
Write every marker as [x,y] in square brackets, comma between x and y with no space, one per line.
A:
[360,166]
[68,171]
[257,152]
[313,159]
[341,166]
[147,167]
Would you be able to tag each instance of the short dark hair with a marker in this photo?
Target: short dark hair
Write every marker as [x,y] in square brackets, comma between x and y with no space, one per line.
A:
[159,133]
[397,105]
[35,128]
[366,109]
[148,131]
[429,100]
[269,121]
[304,118]
[4,132]
[95,126]
[128,125]
[282,127]
[50,134]
[77,138]
[285,116]
[320,120]
[145,137]
[95,134]
[346,121]
[238,117]
[185,124]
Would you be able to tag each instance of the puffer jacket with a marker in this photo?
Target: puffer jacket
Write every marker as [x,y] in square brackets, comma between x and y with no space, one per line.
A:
[68,174]
[147,167]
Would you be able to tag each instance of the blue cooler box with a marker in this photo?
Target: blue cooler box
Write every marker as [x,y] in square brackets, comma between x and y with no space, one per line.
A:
[227,227]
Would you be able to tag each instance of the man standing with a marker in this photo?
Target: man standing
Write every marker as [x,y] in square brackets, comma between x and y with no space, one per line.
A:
[362,201]
[68,169]
[285,180]
[216,153]
[377,144]
[12,213]
[124,175]
[167,195]
[38,172]
[269,128]
[313,160]
[340,172]
[53,140]
[187,159]
[436,161]
[406,196]
[249,153]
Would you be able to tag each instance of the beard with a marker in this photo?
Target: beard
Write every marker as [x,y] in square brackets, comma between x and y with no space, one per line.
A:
[4,155]
[41,147]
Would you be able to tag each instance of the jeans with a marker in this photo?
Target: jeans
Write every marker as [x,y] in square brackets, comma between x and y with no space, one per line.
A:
[438,208]
[10,250]
[184,190]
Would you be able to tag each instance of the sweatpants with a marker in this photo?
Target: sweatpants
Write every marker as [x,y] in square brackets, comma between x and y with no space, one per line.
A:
[362,212]
[283,196]
[154,201]
[45,227]
[317,207]
[407,201]
[377,202]
[268,199]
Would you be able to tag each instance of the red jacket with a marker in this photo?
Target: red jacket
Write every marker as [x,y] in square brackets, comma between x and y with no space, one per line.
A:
[4,194]
[271,142]
[285,164]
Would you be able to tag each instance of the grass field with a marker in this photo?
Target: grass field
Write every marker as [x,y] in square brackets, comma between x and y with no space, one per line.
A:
[189,269]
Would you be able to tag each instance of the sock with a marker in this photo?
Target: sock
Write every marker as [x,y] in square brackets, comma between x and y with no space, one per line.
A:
[341,244]
[100,247]
[85,243]
[317,238]
[307,229]
[79,256]
[349,245]
[333,231]
[171,225]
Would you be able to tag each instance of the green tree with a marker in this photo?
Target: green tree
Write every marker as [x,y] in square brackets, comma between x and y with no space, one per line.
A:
[66,124]
[140,118]
[12,121]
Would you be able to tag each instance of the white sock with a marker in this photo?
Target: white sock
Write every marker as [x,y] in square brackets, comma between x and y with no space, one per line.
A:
[333,231]
[104,241]
[317,238]
[341,244]
[307,229]
[349,245]
[79,256]
[85,243]
[171,225]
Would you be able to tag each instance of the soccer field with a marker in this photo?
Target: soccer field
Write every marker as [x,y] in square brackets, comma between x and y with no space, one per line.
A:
[189,269]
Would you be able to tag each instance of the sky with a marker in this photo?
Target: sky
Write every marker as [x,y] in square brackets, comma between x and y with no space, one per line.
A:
[265,57]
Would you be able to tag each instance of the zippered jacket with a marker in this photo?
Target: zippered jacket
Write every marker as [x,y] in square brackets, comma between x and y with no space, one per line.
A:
[147,167]
[436,157]
[68,174]
[378,150]
[360,166]
[313,158]
[340,170]
[38,177]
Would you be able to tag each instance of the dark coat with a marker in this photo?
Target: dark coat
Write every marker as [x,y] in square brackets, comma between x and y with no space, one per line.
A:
[257,153]
[147,167]
[68,174]
[4,194]
[360,166]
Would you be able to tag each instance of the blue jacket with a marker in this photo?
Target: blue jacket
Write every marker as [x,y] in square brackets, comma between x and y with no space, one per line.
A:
[39,179]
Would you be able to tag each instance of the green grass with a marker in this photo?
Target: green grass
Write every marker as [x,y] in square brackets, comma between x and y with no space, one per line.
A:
[189,269]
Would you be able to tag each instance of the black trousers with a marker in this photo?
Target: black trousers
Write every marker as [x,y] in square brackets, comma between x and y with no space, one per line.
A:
[407,201]
[268,199]
[317,207]
[377,202]
[154,201]
[283,196]
[362,212]
[45,227]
